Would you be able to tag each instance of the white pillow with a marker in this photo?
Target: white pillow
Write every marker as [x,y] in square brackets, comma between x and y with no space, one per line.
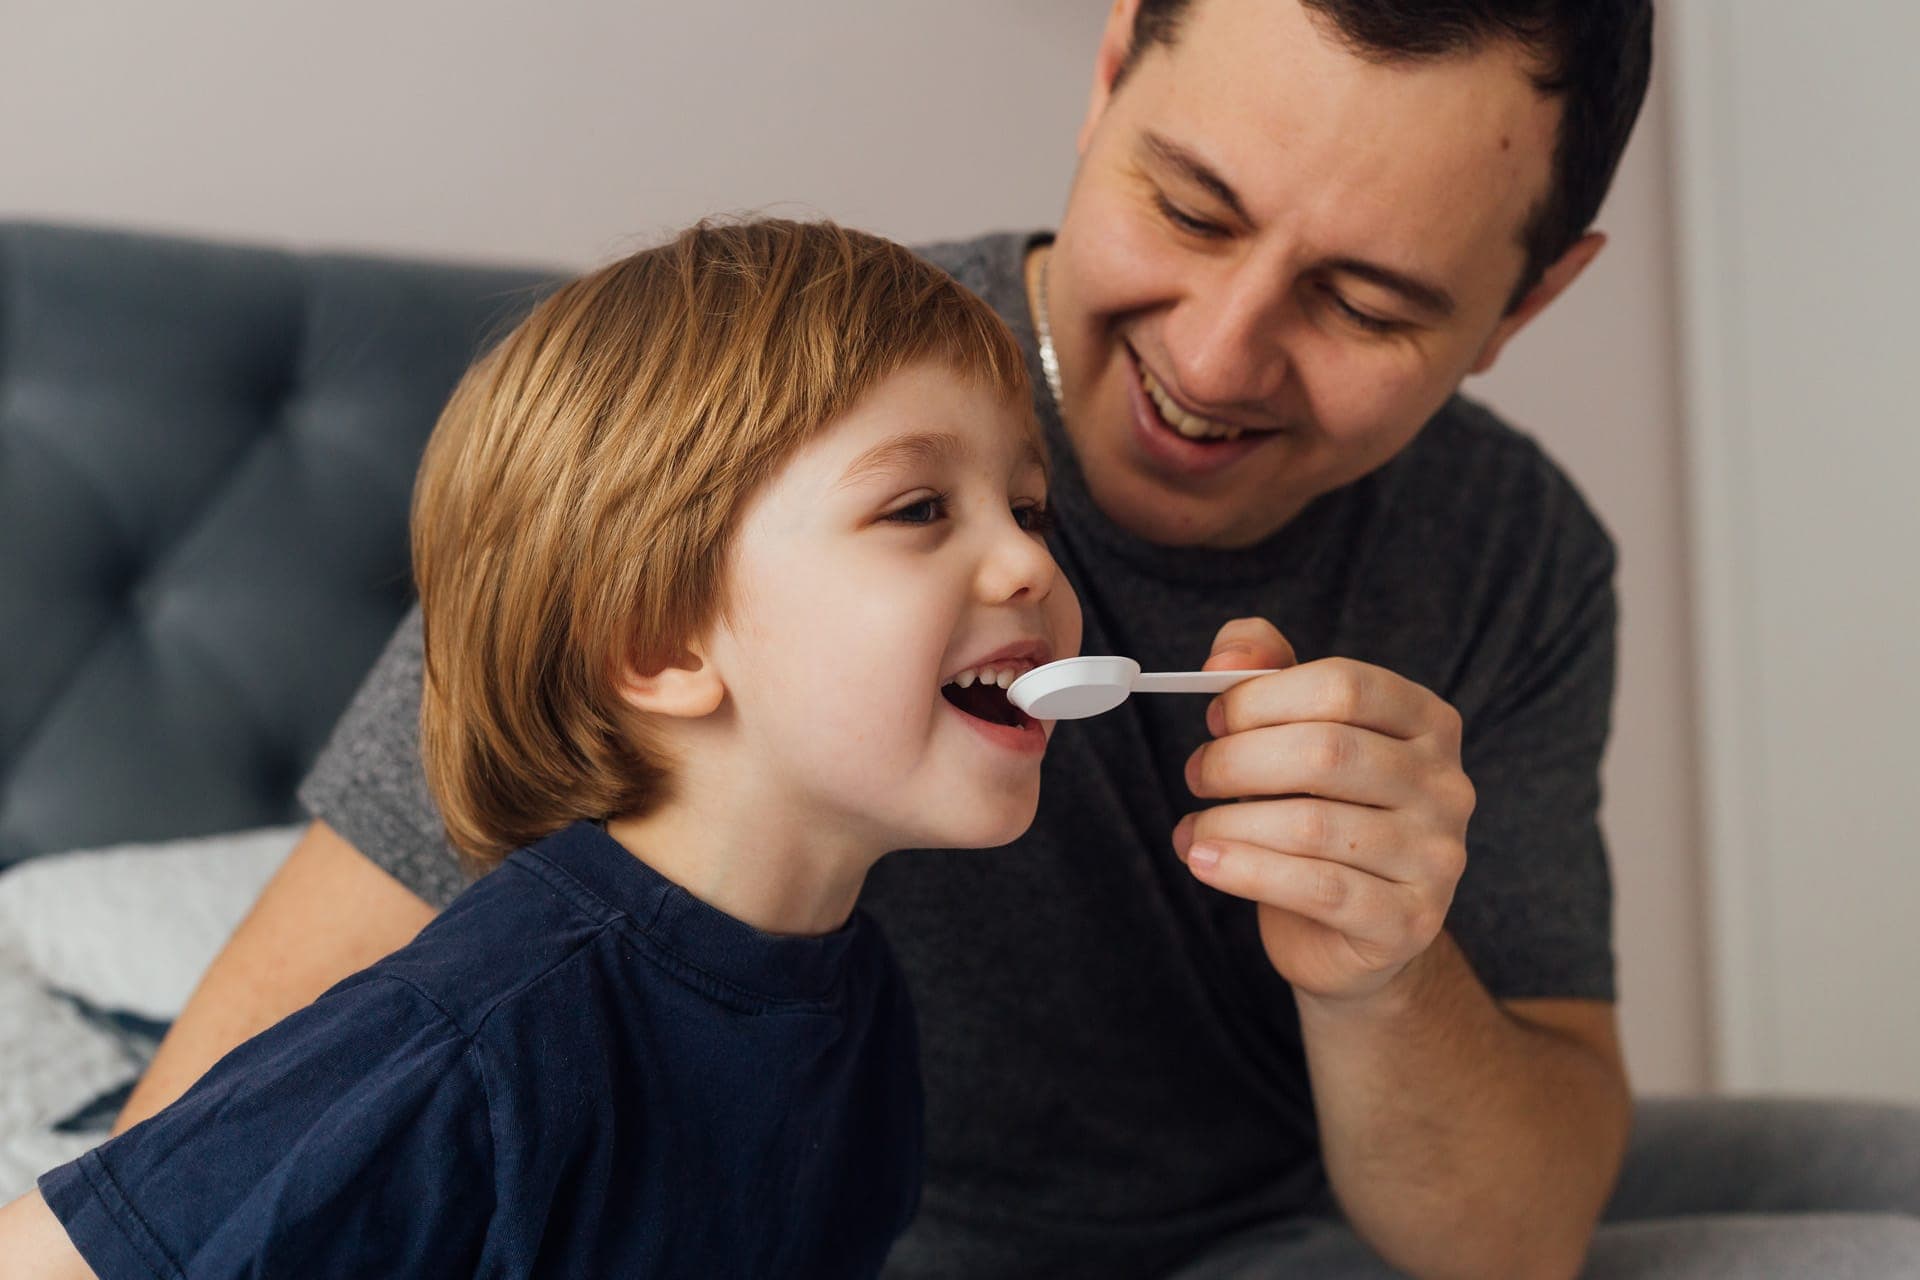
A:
[133,927]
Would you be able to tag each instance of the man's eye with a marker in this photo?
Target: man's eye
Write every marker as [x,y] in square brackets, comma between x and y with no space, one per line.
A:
[1035,519]
[925,511]
[1187,222]
[1371,323]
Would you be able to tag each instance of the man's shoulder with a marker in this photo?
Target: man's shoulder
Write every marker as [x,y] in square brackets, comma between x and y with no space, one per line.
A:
[1476,549]
[987,264]
[1496,487]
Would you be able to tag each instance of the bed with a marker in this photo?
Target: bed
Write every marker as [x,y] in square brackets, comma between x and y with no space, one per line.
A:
[206,452]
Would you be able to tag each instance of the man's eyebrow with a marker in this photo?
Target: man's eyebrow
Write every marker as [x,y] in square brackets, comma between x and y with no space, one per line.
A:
[1430,298]
[921,448]
[1197,171]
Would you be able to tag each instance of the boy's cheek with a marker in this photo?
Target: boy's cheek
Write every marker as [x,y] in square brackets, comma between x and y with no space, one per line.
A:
[1067,624]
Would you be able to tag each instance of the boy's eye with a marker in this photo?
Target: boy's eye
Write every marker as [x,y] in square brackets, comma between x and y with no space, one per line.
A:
[1035,519]
[925,511]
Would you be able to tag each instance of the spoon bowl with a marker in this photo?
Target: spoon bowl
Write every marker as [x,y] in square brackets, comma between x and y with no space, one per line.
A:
[1075,688]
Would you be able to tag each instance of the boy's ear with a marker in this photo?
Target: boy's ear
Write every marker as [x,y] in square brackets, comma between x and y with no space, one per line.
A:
[688,687]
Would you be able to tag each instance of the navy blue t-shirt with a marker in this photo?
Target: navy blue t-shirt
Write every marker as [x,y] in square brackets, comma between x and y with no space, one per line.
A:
[579,1069]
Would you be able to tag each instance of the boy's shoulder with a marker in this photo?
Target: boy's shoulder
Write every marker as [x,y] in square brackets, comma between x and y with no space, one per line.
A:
[578,908]
[489,952]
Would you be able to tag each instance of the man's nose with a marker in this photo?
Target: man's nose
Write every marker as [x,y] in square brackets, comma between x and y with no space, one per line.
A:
[1226,341]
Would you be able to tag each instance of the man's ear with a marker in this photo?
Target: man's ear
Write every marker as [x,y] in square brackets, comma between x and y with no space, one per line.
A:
[1553,282]
[1107,60]
[689,687]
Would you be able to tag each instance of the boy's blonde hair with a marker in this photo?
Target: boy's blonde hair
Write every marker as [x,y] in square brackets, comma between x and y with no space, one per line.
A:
[574,510]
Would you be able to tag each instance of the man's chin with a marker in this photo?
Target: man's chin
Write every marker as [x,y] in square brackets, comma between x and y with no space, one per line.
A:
[1185,523]
[1162,514]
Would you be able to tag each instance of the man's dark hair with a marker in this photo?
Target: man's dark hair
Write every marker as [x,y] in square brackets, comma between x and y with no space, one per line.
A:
[1595,55]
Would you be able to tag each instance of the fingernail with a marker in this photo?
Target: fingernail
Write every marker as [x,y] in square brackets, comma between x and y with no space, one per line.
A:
[1216,718]
[1203,855]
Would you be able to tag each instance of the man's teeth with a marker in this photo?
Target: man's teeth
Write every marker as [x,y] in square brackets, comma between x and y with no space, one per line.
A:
[1002,676]
[1187,424]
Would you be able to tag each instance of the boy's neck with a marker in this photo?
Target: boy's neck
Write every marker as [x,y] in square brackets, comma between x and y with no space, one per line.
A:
[750,863]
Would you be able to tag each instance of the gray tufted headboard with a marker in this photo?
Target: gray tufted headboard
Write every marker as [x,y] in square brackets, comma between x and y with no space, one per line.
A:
[206,454]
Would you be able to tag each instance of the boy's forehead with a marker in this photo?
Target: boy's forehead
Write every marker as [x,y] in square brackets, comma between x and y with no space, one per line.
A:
[926,415]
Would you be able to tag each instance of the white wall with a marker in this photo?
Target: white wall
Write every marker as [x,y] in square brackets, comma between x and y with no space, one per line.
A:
[558,132]
[1596,379]
[1800,200]
[551,132]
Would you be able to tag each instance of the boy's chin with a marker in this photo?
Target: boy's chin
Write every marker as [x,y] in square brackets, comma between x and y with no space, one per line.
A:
[980,830]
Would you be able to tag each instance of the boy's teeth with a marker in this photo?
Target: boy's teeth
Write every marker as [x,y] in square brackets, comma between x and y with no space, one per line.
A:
[1187,424]
[1002,676]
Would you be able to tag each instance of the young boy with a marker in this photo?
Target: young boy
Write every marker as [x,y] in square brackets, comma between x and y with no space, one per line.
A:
[725,558]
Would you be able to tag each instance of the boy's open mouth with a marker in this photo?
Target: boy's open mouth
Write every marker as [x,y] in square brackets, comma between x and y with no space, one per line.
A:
[982,694]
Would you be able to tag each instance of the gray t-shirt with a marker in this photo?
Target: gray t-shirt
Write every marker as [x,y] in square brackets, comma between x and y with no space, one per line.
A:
[1114,1072]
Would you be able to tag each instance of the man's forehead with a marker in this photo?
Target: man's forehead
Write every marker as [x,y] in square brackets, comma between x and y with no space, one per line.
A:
[1458,148]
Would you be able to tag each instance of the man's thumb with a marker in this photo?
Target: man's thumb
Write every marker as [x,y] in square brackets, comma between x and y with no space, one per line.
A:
[1249,644]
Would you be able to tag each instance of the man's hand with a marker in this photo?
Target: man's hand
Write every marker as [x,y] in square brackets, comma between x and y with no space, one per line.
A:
[1436,1105]
[327,912]
[1350,831]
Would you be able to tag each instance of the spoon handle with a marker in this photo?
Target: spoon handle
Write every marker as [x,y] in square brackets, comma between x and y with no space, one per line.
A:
[1193,681]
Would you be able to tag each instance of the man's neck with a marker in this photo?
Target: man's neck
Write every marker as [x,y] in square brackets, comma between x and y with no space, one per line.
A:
[1030,278]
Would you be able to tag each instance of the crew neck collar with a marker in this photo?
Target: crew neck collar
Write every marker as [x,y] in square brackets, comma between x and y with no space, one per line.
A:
[773,966]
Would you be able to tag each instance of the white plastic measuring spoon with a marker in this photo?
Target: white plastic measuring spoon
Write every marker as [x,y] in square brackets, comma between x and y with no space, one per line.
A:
[1075,688]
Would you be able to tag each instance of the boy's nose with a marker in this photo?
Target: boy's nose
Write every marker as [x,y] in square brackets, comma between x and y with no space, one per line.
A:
[1017,565]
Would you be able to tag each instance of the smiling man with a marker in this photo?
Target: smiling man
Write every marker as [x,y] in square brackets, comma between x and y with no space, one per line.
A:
[1316,981]
[1294,244]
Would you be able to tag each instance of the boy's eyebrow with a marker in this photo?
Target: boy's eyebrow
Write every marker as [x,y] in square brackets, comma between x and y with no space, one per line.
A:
[922,448]
[1428,297]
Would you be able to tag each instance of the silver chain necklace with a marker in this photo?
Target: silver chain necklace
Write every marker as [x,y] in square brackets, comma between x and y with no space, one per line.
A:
[1049,362]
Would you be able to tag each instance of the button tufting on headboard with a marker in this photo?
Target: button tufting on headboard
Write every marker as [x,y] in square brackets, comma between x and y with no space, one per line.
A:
[206,453]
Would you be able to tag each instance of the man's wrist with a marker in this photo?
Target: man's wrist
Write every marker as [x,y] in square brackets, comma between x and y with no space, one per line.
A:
[1410,989]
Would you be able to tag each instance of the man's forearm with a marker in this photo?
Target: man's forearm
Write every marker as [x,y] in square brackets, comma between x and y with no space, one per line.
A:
[33,1243]
[1461,1140]
[327,912]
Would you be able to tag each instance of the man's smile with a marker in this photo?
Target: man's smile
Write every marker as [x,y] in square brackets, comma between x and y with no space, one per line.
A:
[1174,439]
[1192,425]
